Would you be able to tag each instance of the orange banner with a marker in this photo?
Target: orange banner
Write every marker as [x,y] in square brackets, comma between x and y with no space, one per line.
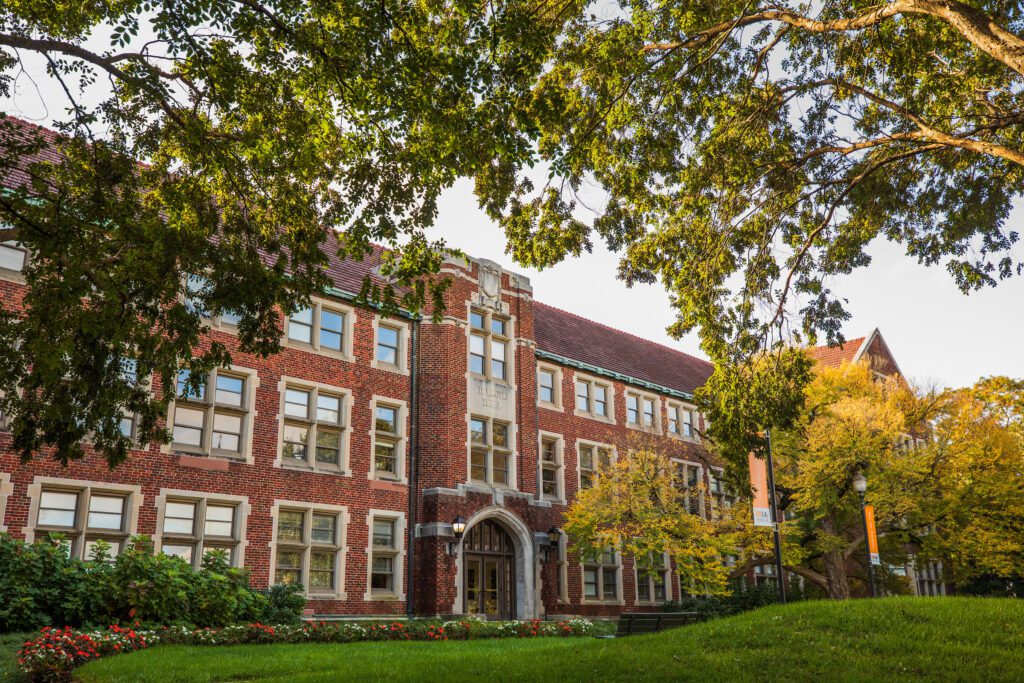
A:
[759,487]
[869,522]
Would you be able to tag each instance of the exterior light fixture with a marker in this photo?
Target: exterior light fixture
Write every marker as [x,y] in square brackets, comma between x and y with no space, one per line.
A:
[860,485]
[553,537]
[458,528]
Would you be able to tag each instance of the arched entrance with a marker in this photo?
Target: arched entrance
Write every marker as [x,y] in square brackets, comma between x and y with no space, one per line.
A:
[489,571]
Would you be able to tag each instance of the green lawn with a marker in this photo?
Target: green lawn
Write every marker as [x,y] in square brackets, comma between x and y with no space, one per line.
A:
[881,640]
[10,643]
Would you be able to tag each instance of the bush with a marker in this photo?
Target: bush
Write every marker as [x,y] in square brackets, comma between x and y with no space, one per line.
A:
[284,604]
[41,586]
[742,599]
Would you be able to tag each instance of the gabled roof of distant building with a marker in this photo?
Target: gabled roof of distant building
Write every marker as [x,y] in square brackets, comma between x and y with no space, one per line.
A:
[574,337]
[872,348]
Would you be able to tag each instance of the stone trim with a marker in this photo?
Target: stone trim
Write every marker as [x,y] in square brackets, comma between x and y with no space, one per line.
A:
[345,466]
[242,507]
[401,445]
[403,345]
[399,555]
[559,458]
[6,489]
[341,548]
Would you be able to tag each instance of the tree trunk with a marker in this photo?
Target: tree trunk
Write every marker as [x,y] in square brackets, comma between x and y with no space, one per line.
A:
[835,565]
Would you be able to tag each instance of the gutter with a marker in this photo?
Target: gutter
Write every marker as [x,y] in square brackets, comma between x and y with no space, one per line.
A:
[410,574]
[594,370]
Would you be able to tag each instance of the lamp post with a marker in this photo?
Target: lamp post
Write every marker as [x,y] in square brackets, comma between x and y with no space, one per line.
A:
[554,535]
[860,485]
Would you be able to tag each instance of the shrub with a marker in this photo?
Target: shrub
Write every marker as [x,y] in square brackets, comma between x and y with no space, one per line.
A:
[284,604]
[742,599]
[41,586]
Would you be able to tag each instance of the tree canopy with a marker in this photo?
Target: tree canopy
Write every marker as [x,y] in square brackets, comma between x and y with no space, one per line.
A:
[746,152]
[220,150]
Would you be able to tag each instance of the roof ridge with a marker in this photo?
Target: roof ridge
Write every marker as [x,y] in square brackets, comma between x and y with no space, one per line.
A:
[859,340]
[628,334]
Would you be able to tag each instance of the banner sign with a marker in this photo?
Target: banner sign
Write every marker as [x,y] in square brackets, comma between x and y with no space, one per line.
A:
[869,521]
[759,486]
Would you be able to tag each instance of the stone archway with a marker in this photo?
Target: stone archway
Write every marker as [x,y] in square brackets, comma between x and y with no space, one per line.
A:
[521,561]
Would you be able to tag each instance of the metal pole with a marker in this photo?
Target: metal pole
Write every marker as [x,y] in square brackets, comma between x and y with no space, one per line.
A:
[775,520]
[867,547]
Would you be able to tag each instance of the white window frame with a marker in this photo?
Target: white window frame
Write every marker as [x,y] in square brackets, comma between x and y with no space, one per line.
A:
[613,456]
[80,535]
[345,428]
[701,486]
[556,387]
[307,547]
[402,328]
[209,406]
[397,554]
[318,304]
[593,382]
[509,449]
[642,576]
[559,467]
[489,337]
[400,440]
[6,489]
[198,538]
[600,566]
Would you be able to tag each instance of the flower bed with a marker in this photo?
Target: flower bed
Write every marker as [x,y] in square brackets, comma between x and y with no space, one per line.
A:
[56,652]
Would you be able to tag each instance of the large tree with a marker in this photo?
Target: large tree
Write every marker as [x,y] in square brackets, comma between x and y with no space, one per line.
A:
[745,152]
[270,132]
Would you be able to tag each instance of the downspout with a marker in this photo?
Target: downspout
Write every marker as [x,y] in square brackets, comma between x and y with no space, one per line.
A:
[413,478]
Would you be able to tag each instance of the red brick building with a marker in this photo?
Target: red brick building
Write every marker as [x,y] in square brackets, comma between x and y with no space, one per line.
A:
[342,462]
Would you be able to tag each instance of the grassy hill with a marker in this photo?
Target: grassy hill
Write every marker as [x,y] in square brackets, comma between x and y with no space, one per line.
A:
[892,639]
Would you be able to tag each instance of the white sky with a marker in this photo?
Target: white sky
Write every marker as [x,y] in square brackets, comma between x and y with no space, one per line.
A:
[937,334]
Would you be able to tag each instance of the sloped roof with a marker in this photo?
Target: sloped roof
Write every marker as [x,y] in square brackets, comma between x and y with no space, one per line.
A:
[834,356]
[577,338]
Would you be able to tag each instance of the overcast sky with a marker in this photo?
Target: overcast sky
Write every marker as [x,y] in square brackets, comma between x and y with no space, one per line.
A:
[937,334]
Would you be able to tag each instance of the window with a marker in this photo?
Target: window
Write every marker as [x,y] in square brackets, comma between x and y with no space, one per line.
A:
[601,576]
[308,548]
[688,482]
[765,575]
[384,557]
[12,257]
[592,398]
[194,527]
[591,459]
[641,411]
[551,480]
[722,498]
[129,373]
[211,422]
[84,515]
[197,291]
[549,387]
[321,326]
[387,345]
[388,446]
[491,451]
[930,579]
[651,578]
[489,340]
[313,427]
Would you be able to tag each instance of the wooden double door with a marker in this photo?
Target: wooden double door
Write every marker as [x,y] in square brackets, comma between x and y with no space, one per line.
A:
[488,563]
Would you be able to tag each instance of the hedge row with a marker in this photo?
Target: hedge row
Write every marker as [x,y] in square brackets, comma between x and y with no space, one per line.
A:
[55,653]
[41,586]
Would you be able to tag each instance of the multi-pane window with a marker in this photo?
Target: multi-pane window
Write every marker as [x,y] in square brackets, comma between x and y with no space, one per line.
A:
[387,441]
[197,290]
[84,516]
[765,575]
[651,578]
[551,468]
[488,345]
[601,576]
[130,374]
[313,427]
[12,257]
[688,483]
[591,459]
[389,345]
[491,451]
[210,417]
[195,527]
[308,549]
[592,398]
[930,579]
[641,410]
[549,387]
[320,326]
[384,557]
[722,497]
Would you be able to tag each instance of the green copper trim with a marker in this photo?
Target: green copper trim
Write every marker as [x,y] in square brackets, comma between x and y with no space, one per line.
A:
[594,370]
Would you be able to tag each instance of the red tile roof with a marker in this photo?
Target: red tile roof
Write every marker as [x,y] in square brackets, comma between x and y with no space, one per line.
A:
[834,356]
[571,336]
